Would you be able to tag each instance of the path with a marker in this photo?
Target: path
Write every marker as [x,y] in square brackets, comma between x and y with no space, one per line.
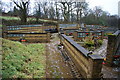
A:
[102,50]
[108,72]
[56,67]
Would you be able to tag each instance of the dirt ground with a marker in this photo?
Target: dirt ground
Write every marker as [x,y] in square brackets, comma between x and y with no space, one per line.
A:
[108,72]
[56,66]
[111,72]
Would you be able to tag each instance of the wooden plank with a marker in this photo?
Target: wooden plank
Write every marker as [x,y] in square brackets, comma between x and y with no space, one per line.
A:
[28,35]
[18,38]
[36,38]
[77,56]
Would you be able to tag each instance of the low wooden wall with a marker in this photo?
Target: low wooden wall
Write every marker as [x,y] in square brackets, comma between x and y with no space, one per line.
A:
[77,37]
[69,31]
[88,66]
[32,33]
[113,49]
[30,37]
[38,29]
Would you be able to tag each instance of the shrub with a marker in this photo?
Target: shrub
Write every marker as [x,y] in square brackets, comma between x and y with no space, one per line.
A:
[100,42]
[89,43]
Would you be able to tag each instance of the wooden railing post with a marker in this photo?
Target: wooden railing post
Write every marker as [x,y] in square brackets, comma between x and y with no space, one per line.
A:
[48,37]
[102,35]
[65,32]
[110,49]
[75,35]
[95,66]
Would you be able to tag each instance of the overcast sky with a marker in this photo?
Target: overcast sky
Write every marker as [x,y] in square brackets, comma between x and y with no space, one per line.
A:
[110,6]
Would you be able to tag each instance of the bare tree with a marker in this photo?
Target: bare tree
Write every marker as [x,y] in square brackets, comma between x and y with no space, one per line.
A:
[57,11]
[23,7]
[97,11]
[66,8]
[69,9]
[38,11]
[0,7]
[45,9]
[51,12]
[80,8]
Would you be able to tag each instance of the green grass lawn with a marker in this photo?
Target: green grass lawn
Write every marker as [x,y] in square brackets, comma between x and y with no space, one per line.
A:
[23,61]
[0,25]
[28,19]
[9,18]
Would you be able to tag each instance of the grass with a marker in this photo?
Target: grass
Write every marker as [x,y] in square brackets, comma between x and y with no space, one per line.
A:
[0,25]
[23,61]
[29,19]
[9,18]
[44,20]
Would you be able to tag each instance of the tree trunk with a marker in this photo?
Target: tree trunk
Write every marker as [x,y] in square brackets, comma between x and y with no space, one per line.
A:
[23,17]
[23,6]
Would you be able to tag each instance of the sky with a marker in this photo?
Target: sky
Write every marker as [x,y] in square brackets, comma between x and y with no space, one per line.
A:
[110,6]
[107,5]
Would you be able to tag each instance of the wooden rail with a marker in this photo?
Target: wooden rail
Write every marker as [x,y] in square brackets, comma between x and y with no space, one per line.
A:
[89,66]
[29,37]
[78,37]
[38,29]
[32,33]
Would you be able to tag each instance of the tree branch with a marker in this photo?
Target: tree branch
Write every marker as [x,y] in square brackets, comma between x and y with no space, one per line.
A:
[17,5]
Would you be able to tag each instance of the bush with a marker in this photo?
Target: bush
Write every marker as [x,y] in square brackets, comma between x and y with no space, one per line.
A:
[100,42]
[89,43]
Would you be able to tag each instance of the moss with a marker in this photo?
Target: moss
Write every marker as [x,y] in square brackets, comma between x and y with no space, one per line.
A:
[109,34]
[112,35]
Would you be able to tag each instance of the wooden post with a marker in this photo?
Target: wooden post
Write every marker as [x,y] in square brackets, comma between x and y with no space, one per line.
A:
[95,66]
[75,35]
[58,27]
[110,49]
[48,37]
[4,35]
[4,31]
[102,35]
[78,26]
[65,32]
[85,25]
